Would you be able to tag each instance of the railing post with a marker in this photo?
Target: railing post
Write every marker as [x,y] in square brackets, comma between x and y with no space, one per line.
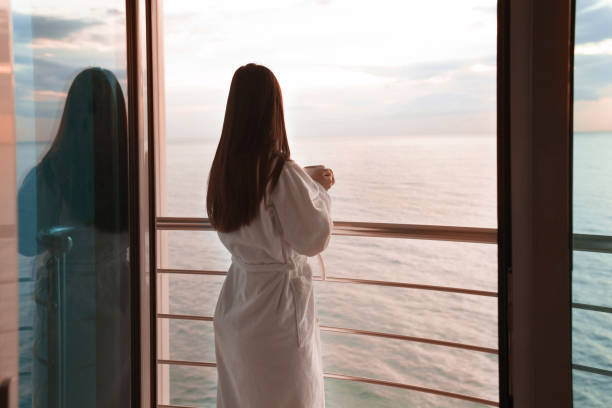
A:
[59,243]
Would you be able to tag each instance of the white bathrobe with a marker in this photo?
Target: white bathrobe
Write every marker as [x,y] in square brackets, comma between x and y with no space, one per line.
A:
[267,338]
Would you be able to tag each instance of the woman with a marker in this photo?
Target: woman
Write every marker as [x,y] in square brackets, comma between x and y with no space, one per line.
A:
[270,214]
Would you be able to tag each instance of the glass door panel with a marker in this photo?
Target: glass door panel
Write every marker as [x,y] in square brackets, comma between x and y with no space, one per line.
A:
[399,98]
[74,269]
[592,206]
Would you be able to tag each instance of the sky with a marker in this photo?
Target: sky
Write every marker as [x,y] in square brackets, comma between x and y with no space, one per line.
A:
[347,68]
[52,43]
[593,66]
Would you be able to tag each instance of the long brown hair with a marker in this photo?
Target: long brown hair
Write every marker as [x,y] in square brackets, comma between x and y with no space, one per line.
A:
[252,150]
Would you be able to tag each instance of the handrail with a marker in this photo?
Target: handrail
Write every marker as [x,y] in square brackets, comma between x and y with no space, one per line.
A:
[581,242]
[187,363]
[415,231]
[327,278]
[183,224]
[593,308]
[592,243]
[173,406]
[359,379]
[191,272]
[592,370]
[448,289]
[358,331]
[362,229]
[173,316]
[412,339]
[425,232]
[413,388]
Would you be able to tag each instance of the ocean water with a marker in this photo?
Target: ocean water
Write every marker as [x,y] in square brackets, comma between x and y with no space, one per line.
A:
[444,180]
[592,272]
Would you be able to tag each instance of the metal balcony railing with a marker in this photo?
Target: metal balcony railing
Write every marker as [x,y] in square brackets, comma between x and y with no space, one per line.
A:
[425,232]
[601,244]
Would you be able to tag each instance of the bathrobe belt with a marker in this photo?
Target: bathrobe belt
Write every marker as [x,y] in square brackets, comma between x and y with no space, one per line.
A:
[292,265]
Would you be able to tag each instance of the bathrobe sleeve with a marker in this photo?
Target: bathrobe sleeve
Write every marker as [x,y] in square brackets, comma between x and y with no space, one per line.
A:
[303,207]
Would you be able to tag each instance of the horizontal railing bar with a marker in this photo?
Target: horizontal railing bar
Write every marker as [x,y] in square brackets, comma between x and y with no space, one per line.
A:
[593,243]
[410,338]
[412,388]
[415,231]
[363,229]
[411,286]
[186,363]
[581,242]
[191,272]
[183,223]
[593,370]
[173,406]
[448,289]
[184,317]
[363,380]
[359,332]
[594,308]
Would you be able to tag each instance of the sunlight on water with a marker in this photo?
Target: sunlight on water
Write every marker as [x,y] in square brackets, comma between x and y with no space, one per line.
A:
[446,180]
[592,272]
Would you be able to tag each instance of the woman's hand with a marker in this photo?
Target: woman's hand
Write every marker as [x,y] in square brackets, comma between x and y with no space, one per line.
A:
[323,176]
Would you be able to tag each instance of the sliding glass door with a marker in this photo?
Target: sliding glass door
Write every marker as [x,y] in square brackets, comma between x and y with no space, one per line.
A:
[592,206]
[399,98]
[75,303]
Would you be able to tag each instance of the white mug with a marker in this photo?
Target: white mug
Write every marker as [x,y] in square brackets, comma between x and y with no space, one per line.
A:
[310,170]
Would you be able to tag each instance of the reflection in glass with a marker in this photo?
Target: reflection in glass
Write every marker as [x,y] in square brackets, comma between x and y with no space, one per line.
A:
[74,288]
[73,210]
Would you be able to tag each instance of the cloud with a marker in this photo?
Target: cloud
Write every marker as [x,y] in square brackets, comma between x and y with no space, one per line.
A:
[593,115]
[44,96]
[603,47]
[593,21]
[28,27]
[50,51]
[48,75]
[418,71]
[442,104]
[592,76]
[45,83]
[593,66]
[452,98]
[429,70]
[490,9]
[345,67]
